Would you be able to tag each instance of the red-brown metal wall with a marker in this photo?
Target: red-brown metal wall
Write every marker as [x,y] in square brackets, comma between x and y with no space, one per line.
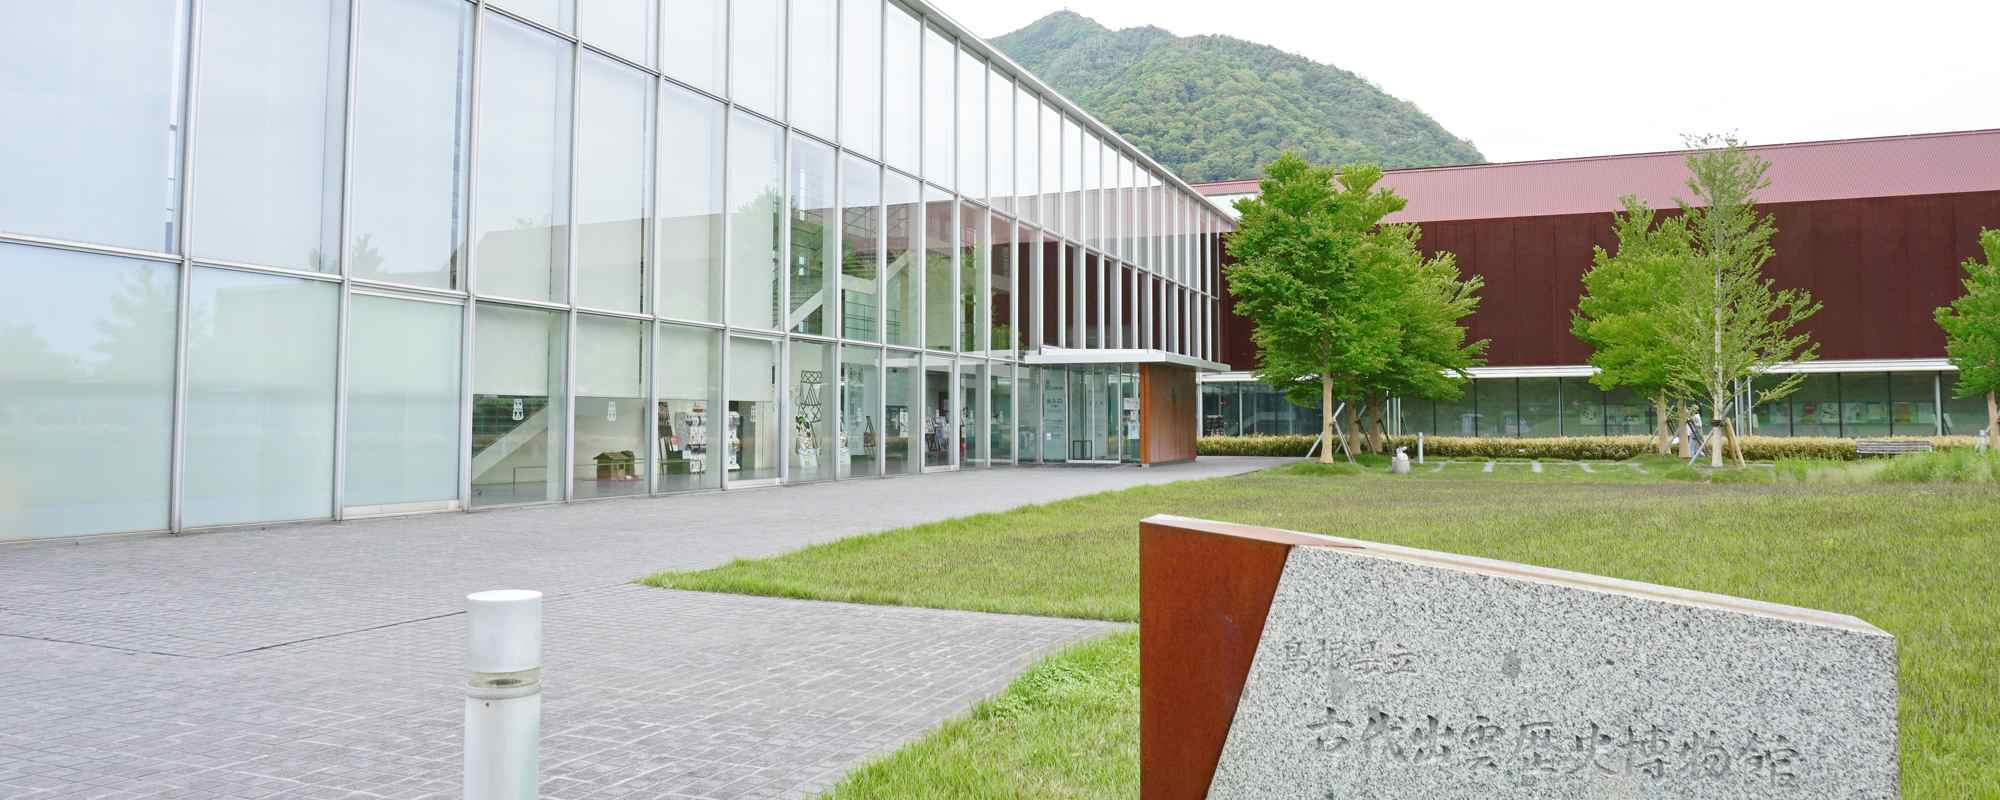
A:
[1878,265]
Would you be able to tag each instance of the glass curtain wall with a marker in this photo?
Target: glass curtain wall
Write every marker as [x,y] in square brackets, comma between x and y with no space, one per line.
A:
[940,230]
[610,419]
[972,411]
[1000,401]
[860,249]
[860,446]
[938,414]
[903,224]
[815,241]
[687,378]
[753,431]
[402,401]
[518,405]
[810,395]
[902,433]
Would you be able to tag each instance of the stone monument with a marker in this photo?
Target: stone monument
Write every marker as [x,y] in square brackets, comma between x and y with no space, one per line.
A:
[1372,671]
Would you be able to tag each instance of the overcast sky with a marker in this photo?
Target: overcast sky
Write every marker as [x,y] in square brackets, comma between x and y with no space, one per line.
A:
[1526,80]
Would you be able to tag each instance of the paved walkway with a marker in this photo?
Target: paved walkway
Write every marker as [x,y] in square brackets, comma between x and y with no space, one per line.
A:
[324,660]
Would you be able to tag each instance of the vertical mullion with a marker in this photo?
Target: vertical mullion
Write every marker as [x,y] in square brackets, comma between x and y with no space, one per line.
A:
[177,457]
[570,270]
[783,359]
[342,352]
[468,323]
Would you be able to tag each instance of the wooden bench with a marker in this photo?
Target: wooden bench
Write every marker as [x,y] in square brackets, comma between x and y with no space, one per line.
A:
[1890,447]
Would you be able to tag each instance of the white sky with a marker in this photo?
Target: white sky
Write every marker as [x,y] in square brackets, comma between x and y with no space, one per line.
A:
[1526,80]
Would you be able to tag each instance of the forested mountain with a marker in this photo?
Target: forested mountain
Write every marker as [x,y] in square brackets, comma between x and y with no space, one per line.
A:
[1218,108]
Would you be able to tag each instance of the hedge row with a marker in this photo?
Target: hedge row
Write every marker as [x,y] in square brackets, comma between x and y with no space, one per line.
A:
[1609,448]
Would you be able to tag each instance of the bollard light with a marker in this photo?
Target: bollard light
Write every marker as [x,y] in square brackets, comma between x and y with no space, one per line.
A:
[503,694]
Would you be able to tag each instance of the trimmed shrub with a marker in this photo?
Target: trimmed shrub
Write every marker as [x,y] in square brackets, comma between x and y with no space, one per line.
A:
[1568,448]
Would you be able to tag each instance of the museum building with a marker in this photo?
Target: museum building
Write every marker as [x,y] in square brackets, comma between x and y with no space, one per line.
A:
[271,262]
[1875,228]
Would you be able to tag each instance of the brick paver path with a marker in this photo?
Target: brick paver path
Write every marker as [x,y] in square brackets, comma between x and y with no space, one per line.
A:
[324,660]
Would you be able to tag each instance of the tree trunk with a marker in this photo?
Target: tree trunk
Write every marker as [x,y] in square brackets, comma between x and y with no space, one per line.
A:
[1681,427]
[1735,444]
[1992,419]
[1326,421]
[1663,432]
[1715,429]
[1377,435]
[1353,429]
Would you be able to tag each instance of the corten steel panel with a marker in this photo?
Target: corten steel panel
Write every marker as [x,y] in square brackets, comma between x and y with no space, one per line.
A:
[1846,252]
[1202,602]
[1167,397]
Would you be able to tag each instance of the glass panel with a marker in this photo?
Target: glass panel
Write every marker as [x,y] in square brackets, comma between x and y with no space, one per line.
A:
[517,405]
[1055,415]
[813,240]
[1419,416]
[1498,414]
[610,453]
[270,95]
[860,405]
[813,451]
[755,436]
[1816,407]
[940,60]
[1000,287]
[1625,414]
[901,422]
[757,55]
[971,125]
[756,153]
[691,38]
[860,248]
[973,241]
[1027,442]
[402,401]
[687,375]
[1000,414]
[1092,280]
[1027,159]
[408,161]
[616,108]
[260,366]
[690,200]
[624,27]
[899,283]
[861,76]
[1864,404]
[1582,408]
[815,39]
[1051,180]
[1963,416]
[1000,141]
[1072,133]
[1128,378]
[940,431]
[105,171]
[558,14]
[521,216]
[1093,183]
[1457,417]
[1772,418]
[939,231]
[971,410]
[86,389]
[903,131]
[1538,407]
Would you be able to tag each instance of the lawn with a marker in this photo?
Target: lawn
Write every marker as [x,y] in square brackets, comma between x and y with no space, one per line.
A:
[1921,561]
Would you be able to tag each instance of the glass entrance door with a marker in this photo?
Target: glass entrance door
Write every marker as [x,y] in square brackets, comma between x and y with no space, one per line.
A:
[938,418]
[1055,414]
[753,437]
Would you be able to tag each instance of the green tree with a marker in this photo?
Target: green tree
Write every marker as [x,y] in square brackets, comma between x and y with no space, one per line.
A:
[1724,321]
[1972,330]
[1344,304]
[1620,314]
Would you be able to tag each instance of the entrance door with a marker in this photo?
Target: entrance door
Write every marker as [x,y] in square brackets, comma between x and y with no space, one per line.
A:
[753,437]
[939,417]
[1055,414]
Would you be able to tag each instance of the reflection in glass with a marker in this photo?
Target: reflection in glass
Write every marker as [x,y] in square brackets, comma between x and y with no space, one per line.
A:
[860,248]
[1000,418]
[971,411]
[1582,408]
[107,171]
[1027,163]
[691,37]
[408,160]
[810,396]
[973,241]
[1055,414]
[1000,286]
[814,241]
[1963,416]
[610,452]
[260,365]
[902,419]
[402,401]
[861,436]
[1538,407]
[939,231]
[687,374]
[624,27]
[1864,404]
[86,389]
[861,76]
[971,125]
[756,153]
[940,428]
[690,206]
[521,212]
[269,101]
[557,14]
[1816,406]
[902,135]
[1625,413]
[1000,141]
[904,217]
[753,437]
[1028,431]
[616,107]
[940,60]
[757,55]
[815,39]
[1051,178]
[517,406]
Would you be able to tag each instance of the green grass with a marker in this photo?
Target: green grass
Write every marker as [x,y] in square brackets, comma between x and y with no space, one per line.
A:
[1922,561]
[1068,728]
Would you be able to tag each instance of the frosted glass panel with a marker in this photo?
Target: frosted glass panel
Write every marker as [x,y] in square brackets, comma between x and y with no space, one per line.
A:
[402,401]
[522,211]
[102,162]
[86,392]
[756,158]
[691,34]
[610,439]
[517,406]
[624,27]
[613,136]
[688,378]
[757,55]
[815,37]
[408,160]
[259,399]
[689,227]
[861,76]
